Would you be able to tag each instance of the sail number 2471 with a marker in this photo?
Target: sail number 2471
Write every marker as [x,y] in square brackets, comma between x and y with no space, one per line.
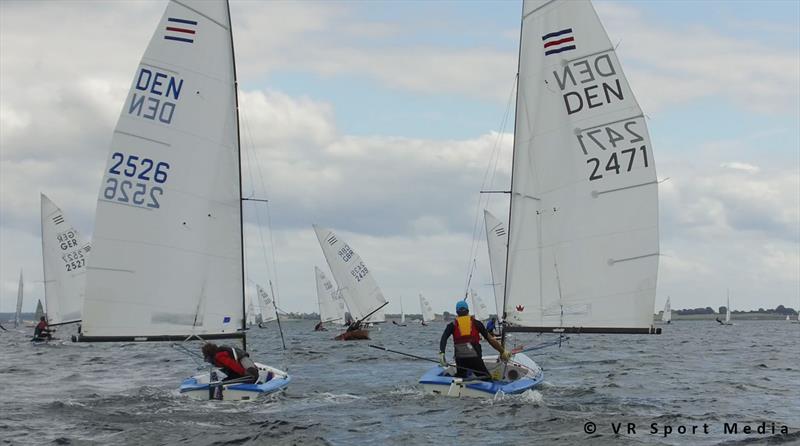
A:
[614,149]
[135,180]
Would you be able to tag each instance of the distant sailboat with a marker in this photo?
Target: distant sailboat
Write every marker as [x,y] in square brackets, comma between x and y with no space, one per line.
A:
[20,292]
[167,256]
[402,316]
[39,312]
[268,308]
[356,283]
[727,320]
[497,242]
[331,305]
[583,240]
[666,316]
[427,311]
[479,308]
[64,257]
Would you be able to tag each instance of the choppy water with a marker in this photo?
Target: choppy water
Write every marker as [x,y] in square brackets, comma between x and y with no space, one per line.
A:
[345,393]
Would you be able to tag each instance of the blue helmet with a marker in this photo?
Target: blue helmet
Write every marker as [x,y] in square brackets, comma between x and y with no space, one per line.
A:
[462,304]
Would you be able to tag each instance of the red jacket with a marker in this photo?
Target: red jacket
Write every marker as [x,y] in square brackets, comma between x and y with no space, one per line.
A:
[225,361]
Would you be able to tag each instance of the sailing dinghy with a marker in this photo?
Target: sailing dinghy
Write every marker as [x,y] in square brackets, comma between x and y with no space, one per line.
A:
[20,294]
[583,221]
[167,255]
[358,287]
[331,305]
[727,320]
[64,256]
[666,316]
[427,311]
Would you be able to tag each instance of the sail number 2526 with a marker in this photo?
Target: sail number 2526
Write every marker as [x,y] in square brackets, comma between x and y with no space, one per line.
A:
[135,180]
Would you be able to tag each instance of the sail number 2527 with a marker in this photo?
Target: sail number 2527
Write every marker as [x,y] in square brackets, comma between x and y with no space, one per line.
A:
[135,180]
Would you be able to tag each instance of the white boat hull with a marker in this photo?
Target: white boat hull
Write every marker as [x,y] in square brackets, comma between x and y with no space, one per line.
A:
[197,387]
[519,375]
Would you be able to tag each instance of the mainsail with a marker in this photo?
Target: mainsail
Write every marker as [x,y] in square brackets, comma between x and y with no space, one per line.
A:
[479,308]
[18,313]
[497,241]
[331,306]
[269,311]
[39,311]
[166,259]
[728,308]
[356,283]
[666,316]
[64,257]
[427,311]
[583,226]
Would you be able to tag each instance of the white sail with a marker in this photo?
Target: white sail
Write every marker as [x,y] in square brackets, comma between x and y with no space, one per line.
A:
[331,305]
[251,312]
[18,313]
[356,282]
[268,309]
[427,311]
[402,313]
[583,232]
[167,249]
[479,308]
[497,241]
[39,311]
[64,257]
[666,316]
[728,308]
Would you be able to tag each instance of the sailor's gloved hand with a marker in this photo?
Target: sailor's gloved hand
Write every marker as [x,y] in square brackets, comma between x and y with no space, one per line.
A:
[505,355]
[442,361]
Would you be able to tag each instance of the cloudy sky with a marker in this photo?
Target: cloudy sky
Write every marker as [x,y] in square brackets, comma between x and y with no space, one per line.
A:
[383,120]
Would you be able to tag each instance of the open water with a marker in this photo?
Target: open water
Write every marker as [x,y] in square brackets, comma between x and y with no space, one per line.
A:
[345,393]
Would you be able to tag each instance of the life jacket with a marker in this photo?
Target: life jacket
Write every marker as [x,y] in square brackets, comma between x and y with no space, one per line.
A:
[465,331]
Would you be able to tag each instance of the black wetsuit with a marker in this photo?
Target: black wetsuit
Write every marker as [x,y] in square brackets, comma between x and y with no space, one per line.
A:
[475,365]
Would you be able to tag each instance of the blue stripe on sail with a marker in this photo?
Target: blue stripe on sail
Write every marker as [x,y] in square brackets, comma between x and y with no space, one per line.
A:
[557,33]
[560,50]
[188,22]
[180,39]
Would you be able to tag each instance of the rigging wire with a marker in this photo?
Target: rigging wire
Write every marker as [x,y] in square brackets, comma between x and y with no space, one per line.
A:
[272,268]
[488,179]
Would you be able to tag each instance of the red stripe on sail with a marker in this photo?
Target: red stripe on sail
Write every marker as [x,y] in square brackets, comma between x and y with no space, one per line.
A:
[180,30]
[559,42]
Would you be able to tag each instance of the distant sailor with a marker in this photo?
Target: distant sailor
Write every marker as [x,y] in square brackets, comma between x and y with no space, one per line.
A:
[234,362]
[42,332]
[319,327]
[467,332]
[491,325]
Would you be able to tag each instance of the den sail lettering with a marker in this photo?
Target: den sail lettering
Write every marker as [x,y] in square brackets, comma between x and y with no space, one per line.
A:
[155,95]
[589,83]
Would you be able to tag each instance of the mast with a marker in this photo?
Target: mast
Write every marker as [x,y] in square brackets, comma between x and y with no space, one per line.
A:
[511,186]
[239,153]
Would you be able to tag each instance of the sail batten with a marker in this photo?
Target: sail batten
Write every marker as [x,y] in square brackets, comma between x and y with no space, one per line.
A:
[583,228]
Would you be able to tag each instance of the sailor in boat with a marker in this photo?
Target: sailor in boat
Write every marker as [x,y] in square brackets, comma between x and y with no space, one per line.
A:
[234,362]
[42,332]
[491,326]
[467,332]
[319,327]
